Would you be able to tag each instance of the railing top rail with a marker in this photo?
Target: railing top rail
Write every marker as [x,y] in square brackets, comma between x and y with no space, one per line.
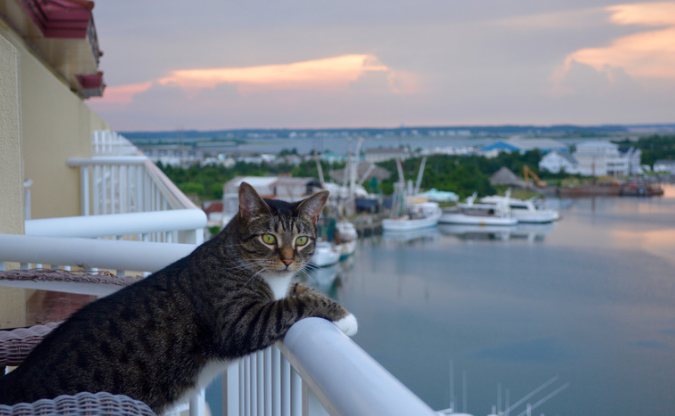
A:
[345,379]
[117,224]
[104,254]
[171,191]
[106,160]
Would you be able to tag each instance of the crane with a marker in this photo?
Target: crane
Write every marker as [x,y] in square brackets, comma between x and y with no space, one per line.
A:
[529,173]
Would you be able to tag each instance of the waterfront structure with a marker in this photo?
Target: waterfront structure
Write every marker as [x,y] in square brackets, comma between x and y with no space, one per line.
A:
[603,158]
[556,162]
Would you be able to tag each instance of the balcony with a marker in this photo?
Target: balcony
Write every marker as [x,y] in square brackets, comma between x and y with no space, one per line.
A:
[64,35]
[134,222]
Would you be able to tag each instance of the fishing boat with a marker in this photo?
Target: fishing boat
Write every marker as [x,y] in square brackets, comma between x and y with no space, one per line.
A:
[525,211]
[346,236]
[471,213]
[417,216]
[325,254]
[411,211]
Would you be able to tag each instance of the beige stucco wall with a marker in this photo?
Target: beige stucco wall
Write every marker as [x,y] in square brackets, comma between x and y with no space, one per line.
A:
[57,125]
[12,301]
[42,124]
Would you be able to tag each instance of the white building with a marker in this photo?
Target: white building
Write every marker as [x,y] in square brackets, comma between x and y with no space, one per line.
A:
[601,158]
[556,162]
[665,166]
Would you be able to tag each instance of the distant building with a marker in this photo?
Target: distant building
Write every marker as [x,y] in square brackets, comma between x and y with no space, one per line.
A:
[603,158]
[665,166]
[521,145]
[556,162]
[332,157]
[383,154]
[281,187]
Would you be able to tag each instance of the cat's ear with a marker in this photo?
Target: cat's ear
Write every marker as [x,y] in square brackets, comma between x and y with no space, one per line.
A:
[311,207]
[251,205]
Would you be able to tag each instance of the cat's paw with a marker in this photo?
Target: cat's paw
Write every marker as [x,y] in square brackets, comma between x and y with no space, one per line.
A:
[348,325]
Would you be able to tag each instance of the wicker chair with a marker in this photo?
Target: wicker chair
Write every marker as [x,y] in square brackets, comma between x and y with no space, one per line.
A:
[16,344]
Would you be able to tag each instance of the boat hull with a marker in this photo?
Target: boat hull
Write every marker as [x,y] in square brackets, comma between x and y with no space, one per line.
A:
[390,224]
[459,218]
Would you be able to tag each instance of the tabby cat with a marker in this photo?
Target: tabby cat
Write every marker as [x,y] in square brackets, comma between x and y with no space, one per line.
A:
[168,335]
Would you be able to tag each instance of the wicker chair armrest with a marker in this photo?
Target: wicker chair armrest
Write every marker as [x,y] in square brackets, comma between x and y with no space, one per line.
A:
[81,404]
[15,345]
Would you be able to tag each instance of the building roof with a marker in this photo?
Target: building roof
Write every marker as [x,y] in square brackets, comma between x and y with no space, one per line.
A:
[541,144]
[504,176]
[565,155]
[597,143]
[518,144]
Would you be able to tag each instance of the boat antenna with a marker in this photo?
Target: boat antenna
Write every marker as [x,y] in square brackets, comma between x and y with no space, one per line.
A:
[464,391]
[540,402]
[452,386]
[532,393]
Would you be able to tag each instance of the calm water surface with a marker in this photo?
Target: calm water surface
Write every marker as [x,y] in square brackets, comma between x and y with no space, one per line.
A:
[590,299]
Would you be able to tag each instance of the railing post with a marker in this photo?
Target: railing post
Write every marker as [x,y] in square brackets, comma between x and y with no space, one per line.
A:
[198,404]
[296,393]
[84,189]
[231,388]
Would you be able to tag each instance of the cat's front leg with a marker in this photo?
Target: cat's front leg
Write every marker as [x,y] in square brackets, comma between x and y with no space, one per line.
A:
[347,323]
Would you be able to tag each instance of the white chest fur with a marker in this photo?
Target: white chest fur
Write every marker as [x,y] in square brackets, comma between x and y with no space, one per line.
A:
[278,283]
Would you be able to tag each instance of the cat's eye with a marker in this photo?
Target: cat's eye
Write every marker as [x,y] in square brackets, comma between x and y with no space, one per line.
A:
[269,239]
[301,241]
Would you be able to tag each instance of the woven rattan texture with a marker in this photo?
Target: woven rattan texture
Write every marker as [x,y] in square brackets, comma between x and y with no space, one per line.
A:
[89,404]
[17,343]
[56,275]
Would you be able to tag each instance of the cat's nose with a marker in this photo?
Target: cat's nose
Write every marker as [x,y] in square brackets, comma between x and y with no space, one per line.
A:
[287,262]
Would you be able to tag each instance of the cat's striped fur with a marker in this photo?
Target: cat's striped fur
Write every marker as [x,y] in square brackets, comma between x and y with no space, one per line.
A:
[159,339]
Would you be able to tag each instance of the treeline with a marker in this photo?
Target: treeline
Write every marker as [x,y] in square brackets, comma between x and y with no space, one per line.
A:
[205,183]
[463,175]
[653,148]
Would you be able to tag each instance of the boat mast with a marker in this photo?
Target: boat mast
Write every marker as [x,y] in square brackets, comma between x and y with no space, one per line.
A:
[419,176]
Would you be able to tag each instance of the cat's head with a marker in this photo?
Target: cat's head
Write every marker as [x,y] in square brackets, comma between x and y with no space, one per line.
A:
[277,237]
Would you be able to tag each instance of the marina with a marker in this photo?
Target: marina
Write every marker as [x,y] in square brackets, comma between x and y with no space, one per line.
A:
[587,298]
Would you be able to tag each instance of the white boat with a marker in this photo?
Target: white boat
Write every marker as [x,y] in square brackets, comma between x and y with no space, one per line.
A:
[345,236]
[422,215]
[325,254]
[470,213]
[346,249]
[525,211]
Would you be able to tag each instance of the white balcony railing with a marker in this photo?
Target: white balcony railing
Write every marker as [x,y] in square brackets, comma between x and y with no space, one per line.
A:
[315,360]
[118,179]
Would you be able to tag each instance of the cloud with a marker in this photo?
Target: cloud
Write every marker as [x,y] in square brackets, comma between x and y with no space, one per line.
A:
[646,55]
[333,74]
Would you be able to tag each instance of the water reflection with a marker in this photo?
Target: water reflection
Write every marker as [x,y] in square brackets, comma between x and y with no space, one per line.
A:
[591,299]
[412,237]
[527,232]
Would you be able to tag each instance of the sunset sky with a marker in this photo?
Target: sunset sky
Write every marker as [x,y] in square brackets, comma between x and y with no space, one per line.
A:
[380,63]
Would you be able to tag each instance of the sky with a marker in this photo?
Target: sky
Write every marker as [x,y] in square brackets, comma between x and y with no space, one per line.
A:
[220,64]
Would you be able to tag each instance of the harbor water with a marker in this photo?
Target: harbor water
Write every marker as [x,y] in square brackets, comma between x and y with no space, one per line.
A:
[590,299]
